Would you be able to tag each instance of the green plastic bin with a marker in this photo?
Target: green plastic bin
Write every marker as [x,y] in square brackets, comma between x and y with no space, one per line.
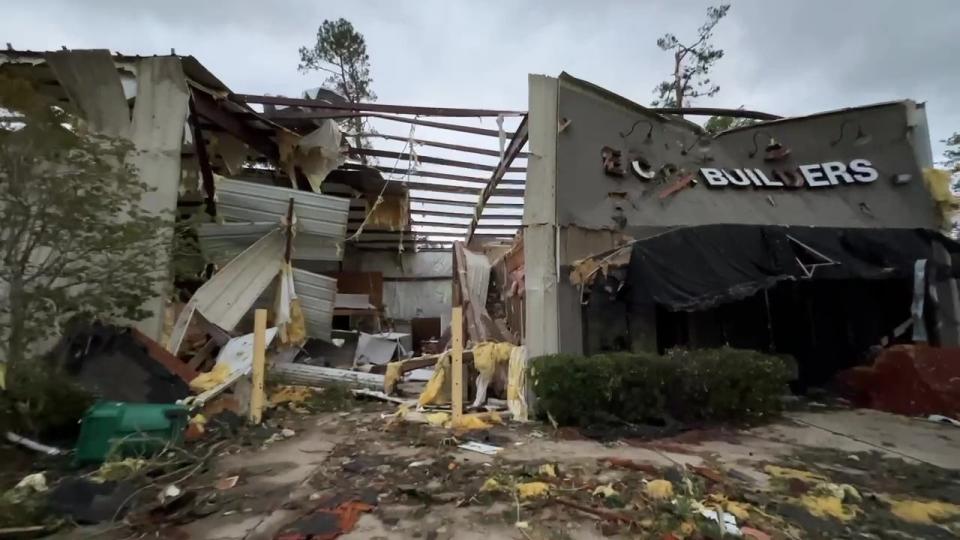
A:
[115,428]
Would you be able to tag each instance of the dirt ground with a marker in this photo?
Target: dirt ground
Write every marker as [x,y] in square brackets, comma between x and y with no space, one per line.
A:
[814,474]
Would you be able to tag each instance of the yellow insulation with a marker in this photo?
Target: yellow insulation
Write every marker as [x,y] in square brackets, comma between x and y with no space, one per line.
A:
[938,184]
[391,377]
[517,384]
[437,391]
[487,355]
[486,358]
[392,213]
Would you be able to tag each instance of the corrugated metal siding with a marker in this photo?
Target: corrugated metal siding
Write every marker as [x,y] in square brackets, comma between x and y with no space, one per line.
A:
[322,215]
[221,242]
[229,294]
[317,294]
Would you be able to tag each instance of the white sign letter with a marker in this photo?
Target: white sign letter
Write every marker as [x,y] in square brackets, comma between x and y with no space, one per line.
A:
[734,180]
[814,175]
[714,177]
[763,178]
[863,171]
[835,170]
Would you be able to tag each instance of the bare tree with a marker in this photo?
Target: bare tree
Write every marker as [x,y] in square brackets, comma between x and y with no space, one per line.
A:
[691,64]
[341,52]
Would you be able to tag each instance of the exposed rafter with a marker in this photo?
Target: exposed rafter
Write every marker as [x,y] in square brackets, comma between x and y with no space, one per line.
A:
[209,109]
[289,114]
[447,146]
[430,159]
[447,176]
[372,107]
[714,111]
[516,143]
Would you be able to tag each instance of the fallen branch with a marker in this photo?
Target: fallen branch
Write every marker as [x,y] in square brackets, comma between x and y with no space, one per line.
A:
[599,512]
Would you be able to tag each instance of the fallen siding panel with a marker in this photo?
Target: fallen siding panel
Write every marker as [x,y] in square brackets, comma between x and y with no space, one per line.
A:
[322,215]
[319,376]
[231,292]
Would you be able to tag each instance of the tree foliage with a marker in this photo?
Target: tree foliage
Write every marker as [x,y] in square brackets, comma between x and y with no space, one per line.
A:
[951,155]
[691,64]
[341,52]
[74,242]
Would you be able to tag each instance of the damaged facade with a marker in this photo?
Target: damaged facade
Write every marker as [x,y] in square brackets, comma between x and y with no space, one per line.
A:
[815,236]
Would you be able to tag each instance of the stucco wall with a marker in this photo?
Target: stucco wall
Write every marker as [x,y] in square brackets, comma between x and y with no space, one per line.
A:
[597,119]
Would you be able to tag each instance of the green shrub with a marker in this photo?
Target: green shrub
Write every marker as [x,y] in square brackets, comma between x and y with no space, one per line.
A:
[728,384]
[686,385]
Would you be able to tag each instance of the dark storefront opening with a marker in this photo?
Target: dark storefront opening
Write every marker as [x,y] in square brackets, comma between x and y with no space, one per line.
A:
[826,325]
[830,298]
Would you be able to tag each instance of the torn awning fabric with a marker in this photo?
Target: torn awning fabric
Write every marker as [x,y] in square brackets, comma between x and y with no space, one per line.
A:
[700,267]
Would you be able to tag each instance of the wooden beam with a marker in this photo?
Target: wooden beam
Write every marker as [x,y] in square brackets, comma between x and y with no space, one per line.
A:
[410,364]
[257,397]
[417,278]
[456,372]
[518,141]
[208,108]
[206,174]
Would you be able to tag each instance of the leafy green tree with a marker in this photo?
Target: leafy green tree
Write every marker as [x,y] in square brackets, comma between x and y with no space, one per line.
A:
[341,52]
[716,124]
[74,243]
[691,64]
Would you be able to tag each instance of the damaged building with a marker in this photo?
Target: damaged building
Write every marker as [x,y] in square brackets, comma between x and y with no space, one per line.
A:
[589,224]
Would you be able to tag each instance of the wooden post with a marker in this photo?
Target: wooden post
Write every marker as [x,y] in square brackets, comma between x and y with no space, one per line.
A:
[456,372]
[259,360]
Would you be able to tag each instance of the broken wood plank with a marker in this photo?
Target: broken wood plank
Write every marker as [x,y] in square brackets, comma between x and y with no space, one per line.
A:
[202,355]
[457,365]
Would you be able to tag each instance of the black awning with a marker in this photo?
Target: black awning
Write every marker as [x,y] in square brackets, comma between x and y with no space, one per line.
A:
[699,267]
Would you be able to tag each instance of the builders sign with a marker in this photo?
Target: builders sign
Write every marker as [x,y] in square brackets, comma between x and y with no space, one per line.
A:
[814,175]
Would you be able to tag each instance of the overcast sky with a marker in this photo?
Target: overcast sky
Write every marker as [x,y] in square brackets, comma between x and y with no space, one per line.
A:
[785,57]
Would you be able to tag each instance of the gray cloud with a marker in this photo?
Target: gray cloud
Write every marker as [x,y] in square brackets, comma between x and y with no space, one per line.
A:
[789,57]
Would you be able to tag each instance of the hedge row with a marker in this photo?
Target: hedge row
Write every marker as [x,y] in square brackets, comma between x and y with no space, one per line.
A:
[684,385]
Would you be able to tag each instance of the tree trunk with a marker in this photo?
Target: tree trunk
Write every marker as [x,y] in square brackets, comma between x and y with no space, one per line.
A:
[358,139]
[677,82]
